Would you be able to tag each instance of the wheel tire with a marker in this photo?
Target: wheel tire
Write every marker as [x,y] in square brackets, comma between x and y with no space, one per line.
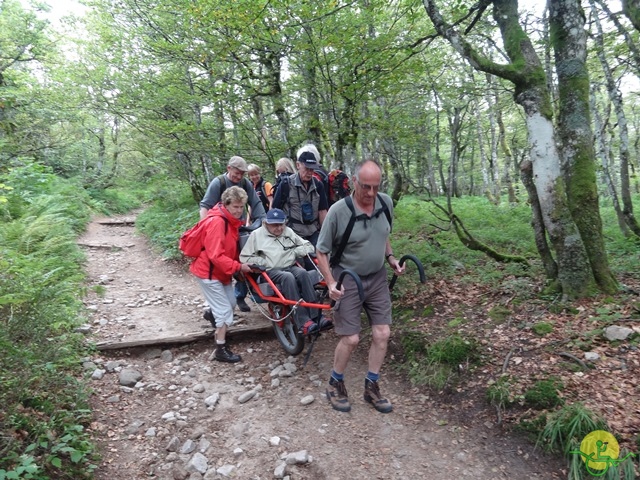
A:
[286,330]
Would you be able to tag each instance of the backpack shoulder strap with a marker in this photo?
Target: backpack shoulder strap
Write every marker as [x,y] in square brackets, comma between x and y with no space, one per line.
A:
[223,183]
[335,259]
[246,184]
[386,211]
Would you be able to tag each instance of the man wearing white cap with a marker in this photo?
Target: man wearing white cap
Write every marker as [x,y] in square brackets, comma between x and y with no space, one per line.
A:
[236,168]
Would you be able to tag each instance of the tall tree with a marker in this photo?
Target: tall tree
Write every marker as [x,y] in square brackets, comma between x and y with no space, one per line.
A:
[569,40]
[526,72]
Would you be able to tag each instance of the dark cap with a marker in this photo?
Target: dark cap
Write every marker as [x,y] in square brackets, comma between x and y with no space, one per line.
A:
[275,215]
[308,159]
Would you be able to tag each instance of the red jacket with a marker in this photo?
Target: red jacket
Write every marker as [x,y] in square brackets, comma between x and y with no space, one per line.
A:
[219,259]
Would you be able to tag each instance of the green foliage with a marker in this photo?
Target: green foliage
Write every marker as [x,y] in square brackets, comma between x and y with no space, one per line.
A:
[563,432]
[165,221]
[438,363]
[503,227]
[544,394]
[40,309]
[453,350]
[566,428]
[499,392]
[499,314]
[542,328]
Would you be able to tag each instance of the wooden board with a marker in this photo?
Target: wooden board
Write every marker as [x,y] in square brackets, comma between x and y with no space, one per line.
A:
[180,339]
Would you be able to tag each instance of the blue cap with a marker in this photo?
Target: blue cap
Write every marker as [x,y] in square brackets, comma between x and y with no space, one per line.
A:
[275,215]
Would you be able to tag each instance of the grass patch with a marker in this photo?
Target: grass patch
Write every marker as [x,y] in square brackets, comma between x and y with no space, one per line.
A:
[499,393]
[542,328]
[499,314]
[566,428]
[544,394]
[437,364]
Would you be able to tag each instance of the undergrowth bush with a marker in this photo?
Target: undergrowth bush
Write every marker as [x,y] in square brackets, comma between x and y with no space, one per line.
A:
[438,363]
[44,406]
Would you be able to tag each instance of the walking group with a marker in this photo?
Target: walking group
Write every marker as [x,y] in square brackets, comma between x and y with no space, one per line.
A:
[305,214]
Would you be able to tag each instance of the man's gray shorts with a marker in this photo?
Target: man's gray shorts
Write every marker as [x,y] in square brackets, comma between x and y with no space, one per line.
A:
[376,304]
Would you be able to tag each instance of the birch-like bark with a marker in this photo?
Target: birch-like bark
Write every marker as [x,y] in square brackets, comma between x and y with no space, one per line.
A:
[484,170]
[601,152]
[527,74]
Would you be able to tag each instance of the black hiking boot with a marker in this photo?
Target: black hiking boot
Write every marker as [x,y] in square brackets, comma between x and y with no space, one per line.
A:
[208,316]
[242,305]
[223,354]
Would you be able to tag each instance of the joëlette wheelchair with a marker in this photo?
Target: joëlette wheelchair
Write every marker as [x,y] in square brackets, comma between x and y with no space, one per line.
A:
[280,309]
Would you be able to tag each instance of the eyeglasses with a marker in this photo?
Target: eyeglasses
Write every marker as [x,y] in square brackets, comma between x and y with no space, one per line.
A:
[368,188]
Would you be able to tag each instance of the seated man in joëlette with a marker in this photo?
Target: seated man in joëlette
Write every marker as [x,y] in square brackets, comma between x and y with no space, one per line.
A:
[276,247]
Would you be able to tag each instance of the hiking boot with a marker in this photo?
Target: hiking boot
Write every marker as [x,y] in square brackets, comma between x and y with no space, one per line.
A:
[208,316]
[337,395]
[242,305]
[223,354]
[372,395]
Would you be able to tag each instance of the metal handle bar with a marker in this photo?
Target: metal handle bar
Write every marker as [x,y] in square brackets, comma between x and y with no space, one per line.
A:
[356,279]
[414,259]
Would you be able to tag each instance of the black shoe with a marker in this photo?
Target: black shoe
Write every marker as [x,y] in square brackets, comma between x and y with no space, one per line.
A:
[223,354]
[208,316]
[242,305]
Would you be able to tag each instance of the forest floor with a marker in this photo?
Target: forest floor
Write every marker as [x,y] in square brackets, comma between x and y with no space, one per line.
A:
[267,417]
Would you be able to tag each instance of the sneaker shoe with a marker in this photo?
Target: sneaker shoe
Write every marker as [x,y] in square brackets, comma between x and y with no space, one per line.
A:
[242,305]
[337,395]
[373,396]
[223,354]
[309,327]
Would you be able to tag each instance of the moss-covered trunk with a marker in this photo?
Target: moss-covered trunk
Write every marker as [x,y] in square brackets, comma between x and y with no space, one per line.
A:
[631,9]
[526,72]
[569,41]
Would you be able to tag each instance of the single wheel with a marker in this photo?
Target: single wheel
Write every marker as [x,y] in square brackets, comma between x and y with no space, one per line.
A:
[285,329]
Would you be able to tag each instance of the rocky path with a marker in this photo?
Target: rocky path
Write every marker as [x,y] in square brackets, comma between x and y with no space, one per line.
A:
[169,412]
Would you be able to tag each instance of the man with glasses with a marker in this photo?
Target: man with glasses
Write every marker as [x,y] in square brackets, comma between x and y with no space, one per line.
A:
[236,168]
[365,253]
[276,247]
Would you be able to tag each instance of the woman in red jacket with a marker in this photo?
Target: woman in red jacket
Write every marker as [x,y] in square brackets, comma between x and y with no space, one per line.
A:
[218,262]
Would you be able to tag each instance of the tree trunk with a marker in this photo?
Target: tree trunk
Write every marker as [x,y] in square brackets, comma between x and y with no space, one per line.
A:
[616,99]
[634,51]
[631,9]
[601,151]
[531,92]
[574,131]
[537,221]
[484,170]
[494,166]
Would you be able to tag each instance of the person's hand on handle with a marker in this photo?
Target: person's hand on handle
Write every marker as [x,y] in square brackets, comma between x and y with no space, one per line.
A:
[334,293]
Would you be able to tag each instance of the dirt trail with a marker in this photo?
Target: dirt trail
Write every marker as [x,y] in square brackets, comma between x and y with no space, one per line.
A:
[184,418]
